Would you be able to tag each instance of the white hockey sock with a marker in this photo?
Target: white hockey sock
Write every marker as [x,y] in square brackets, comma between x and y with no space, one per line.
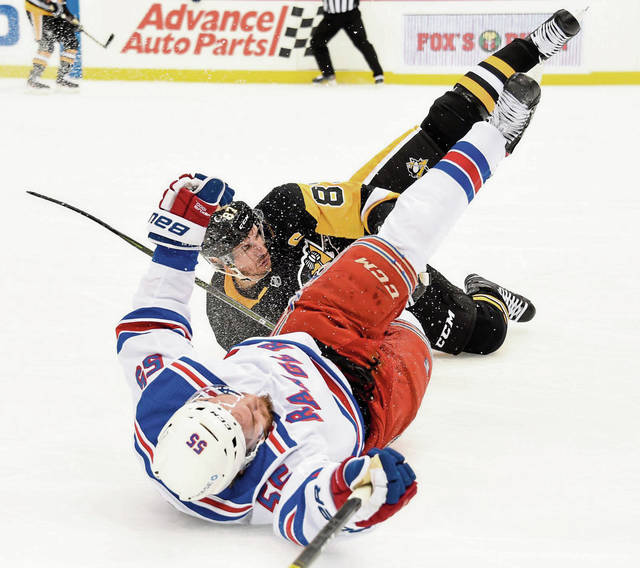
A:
[427,209]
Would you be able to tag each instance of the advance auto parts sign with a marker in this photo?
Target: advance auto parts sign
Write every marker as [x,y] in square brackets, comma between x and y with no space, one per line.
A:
[465,39]
[233,30]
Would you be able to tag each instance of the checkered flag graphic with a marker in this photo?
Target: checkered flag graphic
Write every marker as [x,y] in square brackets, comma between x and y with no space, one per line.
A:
[297,36]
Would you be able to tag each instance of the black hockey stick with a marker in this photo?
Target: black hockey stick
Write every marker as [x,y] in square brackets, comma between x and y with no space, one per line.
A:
[105,44]
[338,521]
[80,29]
[210,289]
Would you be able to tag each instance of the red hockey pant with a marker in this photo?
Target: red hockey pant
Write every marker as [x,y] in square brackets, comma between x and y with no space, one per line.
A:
[353,307]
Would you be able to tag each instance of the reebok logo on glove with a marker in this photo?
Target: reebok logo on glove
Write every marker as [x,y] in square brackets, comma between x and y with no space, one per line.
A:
[202,209]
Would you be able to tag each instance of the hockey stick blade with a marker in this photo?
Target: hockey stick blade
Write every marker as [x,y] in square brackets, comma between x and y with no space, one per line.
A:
[105,44]
[204,285]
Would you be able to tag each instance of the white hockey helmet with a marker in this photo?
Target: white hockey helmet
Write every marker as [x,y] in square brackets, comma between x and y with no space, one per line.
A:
[200,450]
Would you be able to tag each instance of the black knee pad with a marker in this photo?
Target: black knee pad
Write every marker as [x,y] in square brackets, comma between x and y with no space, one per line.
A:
[450,117]
[490,329]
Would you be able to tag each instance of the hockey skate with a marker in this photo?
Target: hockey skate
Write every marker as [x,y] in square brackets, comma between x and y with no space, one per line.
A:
[66,84]
[378,79]
[33,82]
[324,80]
[551,36]
[520,308]
[36,85]
[515,107]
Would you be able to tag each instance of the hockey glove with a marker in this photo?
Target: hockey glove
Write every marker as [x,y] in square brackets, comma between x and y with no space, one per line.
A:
[63,12]
[181,219]
[394,485]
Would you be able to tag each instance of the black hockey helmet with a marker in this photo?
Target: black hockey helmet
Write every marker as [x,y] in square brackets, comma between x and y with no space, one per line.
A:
[228,227]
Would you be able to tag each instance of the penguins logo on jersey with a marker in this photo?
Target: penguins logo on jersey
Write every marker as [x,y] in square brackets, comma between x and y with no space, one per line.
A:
[314,258]
[417,168]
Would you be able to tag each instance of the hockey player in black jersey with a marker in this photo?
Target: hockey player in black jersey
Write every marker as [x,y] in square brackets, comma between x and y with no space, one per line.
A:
[264,255]
[52,23]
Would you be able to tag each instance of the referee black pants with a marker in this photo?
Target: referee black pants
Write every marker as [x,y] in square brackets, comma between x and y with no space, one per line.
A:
[351,23]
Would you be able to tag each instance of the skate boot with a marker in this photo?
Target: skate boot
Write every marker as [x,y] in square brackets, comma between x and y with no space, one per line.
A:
[520,308]
[34,78]
[62,80]
[65,83]
[515,107]
[35,84]
[378,79]
[551,36]
[324,80]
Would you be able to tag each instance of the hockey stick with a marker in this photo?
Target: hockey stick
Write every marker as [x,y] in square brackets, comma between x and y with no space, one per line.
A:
[80,29]
[105,44]
[210,289]
[351,506]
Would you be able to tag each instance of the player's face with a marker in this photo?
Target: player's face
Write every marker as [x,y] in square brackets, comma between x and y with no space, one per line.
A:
[251,256]
[251,411]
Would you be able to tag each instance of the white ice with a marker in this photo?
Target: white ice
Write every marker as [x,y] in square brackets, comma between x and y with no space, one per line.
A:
[525,458]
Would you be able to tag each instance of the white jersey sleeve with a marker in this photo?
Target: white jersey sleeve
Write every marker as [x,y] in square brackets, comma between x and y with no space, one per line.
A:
[158,330]
[317,422]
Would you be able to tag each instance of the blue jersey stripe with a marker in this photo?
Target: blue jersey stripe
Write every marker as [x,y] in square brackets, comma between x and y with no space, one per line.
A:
[204,371]
[296,501]
[159,400]
[179,259]
[477,156]
[281,429]
[160,314]
[458,175]
[122,338]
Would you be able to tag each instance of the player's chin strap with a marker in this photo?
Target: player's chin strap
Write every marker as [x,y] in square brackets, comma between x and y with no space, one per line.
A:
[209,289]
[225,265]
[351,506]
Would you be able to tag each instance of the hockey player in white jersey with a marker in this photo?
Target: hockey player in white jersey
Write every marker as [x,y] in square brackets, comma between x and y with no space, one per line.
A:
[285,427]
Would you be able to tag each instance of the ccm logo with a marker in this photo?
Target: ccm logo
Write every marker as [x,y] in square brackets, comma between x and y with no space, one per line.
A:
[196,443]
[380,275]
[446,330]
[168,224]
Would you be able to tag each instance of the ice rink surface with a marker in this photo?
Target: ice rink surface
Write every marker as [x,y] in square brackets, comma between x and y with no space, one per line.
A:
[526,458]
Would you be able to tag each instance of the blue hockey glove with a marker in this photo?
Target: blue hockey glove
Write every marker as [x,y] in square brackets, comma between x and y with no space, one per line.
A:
[393,482]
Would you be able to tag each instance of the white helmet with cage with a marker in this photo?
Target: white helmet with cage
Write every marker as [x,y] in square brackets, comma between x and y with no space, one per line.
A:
[200,450]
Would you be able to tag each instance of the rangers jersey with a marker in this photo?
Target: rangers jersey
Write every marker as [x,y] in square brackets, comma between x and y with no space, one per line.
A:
[317,422]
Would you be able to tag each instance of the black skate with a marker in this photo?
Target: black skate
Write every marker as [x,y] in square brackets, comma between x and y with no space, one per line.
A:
[378,79]
[33,81]
[66,84]
[515,107]
[324,80]
[520,308]
[552,35]
[37,85]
